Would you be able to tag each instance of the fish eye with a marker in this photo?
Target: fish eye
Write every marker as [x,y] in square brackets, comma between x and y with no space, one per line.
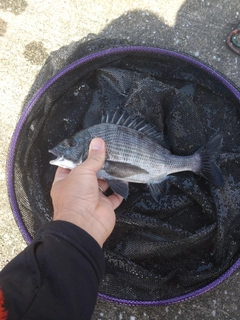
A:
[70,142]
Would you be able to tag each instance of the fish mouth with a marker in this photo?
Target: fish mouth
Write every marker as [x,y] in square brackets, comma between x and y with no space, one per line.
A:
[57,160]
[60,161]
[63,163]
[54,152]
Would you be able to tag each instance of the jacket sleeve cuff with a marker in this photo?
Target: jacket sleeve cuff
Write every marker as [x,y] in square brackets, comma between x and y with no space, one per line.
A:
[77,238]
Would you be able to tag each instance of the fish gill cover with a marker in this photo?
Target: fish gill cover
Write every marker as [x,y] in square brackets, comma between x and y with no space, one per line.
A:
[161,249]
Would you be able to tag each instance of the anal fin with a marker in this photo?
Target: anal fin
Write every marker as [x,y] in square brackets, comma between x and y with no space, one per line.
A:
[156,189]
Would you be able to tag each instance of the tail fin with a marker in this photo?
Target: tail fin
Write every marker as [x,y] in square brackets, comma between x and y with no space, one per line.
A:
[208,154]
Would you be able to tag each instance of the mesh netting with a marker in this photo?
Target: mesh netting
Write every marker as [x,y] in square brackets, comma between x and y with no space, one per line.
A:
[158,250]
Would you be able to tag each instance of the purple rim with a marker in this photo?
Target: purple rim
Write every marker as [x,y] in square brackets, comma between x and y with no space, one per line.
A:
[10,163]
[182,298]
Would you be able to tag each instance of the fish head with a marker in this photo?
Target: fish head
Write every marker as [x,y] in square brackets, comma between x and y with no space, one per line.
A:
[71,152]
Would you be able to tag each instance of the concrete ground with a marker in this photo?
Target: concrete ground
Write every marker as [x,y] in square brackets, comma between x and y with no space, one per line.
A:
[30,30]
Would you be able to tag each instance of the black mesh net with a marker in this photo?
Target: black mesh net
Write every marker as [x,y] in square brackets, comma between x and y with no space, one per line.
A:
[158,250]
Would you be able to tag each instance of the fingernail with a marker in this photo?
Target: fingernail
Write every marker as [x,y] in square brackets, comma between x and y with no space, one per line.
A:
[96,144]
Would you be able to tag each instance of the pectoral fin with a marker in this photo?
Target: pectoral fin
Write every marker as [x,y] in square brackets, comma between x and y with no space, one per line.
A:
[119,187]
[122,170]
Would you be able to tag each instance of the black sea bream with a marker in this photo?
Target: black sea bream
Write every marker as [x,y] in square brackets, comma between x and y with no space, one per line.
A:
[134,155]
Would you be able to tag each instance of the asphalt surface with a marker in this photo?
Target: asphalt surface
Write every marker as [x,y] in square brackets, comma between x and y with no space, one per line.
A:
[30,30]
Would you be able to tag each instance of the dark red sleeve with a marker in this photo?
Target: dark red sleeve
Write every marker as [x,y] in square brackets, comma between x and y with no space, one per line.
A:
[56,277]
[3,311]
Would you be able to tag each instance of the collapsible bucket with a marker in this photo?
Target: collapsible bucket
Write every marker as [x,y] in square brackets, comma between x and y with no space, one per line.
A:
[160,251]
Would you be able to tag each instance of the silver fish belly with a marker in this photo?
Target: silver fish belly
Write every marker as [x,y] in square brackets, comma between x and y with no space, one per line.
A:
[133,155]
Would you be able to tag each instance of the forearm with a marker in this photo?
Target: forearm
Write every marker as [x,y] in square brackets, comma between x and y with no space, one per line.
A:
[55,277]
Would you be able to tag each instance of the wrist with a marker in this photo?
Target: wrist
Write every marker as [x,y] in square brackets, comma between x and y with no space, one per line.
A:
[89,224]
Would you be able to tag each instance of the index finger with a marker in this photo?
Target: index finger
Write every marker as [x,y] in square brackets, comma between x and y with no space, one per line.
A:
[60,174]
[115,200]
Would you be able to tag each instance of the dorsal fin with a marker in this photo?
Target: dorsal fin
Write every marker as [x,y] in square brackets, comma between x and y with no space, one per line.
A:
[137,123]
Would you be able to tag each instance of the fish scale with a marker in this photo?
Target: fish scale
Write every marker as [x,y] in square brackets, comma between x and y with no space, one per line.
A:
[133,154]
[141,151]
[129,145]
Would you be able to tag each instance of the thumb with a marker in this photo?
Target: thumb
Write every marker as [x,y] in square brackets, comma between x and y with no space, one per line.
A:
[96,155]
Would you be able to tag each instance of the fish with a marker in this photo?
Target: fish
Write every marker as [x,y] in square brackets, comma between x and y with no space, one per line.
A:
[135,154]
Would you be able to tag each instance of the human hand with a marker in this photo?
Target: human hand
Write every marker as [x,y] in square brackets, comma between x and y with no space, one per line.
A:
[77,199]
